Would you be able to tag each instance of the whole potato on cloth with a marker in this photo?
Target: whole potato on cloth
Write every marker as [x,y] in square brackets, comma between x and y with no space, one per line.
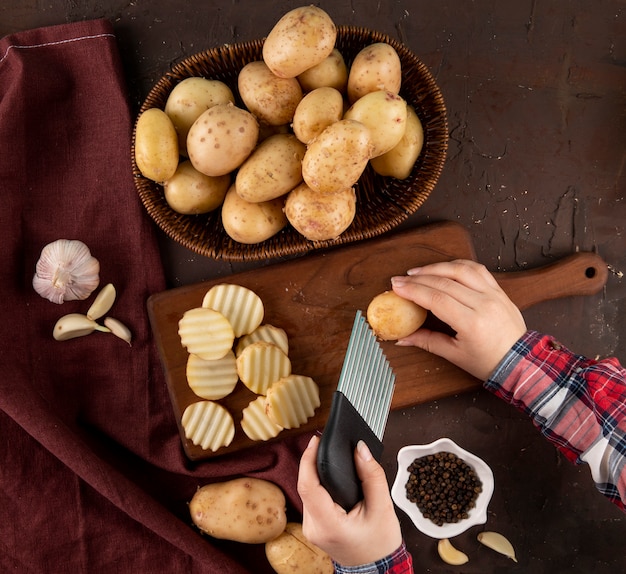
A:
[248,222]
[272,99]
[329,73]
[376,67]
[156,145]
[315,112]
[384,114]
[398,162]
[221,139]
[292,552]
[320,216]
[273,169]
[190,98]
[336,158]
[302,38]
[190,192]
[392,317]
[249,510]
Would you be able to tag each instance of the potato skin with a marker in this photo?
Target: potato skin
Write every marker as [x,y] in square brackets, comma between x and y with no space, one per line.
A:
[384,114]
[248,510]
[398,162]
[190,192]
[392,317]
[375,67]
[331,72]
[302,38]
[189,99]
[315,112]
[248,222]
[272,99]
[292,552]
[336,158]
[320,216]
[273,169]
[156,145]
[221,139]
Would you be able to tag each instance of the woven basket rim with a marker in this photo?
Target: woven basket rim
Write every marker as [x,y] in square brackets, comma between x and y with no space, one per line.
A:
[382,203]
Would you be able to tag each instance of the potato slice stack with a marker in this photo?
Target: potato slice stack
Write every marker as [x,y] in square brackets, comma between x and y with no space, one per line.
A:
[228,343]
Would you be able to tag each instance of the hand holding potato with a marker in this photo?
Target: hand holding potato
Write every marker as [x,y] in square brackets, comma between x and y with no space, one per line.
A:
[370,531]
[465,296]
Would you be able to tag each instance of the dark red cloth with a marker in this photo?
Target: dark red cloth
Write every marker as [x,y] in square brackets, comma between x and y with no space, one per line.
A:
[92,473]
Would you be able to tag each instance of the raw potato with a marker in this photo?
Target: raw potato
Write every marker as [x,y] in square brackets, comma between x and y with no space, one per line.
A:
[301,39]
[190,192]
[268,333]
[315,112]
[189,99]
[392,317]
[398,162]
[156,145]
[292,552]
[221,139]
[375,67]
[330,73]
[320,216]
[248,510]
[248,222]
[384,114]
[272,99]
[336,159]
[273,169]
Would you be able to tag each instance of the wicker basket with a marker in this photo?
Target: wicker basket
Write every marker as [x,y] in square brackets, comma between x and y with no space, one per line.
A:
[382,202]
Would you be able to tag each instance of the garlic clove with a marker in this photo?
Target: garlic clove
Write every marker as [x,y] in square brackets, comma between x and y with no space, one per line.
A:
[497,542]
[66,271]
[449,554]
[102,303]
[75,325]
[118,329]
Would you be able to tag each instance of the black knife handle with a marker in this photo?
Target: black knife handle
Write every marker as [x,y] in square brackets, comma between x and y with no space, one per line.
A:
[335,457]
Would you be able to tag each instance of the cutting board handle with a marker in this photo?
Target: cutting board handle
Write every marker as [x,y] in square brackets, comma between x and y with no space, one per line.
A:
[583,273]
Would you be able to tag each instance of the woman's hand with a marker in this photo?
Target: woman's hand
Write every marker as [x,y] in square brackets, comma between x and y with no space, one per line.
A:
[465,296]
[369,532]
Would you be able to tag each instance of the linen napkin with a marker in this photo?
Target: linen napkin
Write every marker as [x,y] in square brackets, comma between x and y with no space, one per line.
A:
[92,473]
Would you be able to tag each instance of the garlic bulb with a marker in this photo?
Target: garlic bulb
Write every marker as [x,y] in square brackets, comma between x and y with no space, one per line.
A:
[66,271]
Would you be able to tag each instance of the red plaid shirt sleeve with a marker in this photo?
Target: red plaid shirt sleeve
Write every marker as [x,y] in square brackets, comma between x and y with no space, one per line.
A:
[399,562]
[579,404]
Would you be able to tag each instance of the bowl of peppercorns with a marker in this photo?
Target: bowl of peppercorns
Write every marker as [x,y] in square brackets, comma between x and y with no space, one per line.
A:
[443,488]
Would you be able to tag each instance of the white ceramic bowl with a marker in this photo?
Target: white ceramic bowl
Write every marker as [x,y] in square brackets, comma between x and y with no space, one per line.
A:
[477,515]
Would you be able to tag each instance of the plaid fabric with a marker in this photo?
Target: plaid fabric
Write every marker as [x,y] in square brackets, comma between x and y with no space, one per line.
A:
[400,562]
[579,404]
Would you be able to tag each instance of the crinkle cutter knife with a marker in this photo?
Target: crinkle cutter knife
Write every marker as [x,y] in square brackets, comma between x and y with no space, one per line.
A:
[359,411]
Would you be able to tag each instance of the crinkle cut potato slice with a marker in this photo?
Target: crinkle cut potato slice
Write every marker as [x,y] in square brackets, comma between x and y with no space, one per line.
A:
[255,422]
[208,425]
[261,364]
[241,306]
[291,401]
[206,333]
[268,333]
[214,379]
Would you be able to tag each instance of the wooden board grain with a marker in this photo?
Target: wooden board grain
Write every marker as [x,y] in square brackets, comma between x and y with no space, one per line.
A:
[314,299]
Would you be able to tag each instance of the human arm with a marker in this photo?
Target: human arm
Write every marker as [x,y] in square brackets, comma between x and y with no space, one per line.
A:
[369,535]
[578,404]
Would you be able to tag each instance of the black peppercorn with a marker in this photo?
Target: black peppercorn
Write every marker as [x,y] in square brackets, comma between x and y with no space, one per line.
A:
[443,486]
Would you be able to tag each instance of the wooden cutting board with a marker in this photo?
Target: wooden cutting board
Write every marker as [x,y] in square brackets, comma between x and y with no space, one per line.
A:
[314,299]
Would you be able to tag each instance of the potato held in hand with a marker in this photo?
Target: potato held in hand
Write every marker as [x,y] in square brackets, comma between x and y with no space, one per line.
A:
[392,317]
[249,510]
[292,552]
